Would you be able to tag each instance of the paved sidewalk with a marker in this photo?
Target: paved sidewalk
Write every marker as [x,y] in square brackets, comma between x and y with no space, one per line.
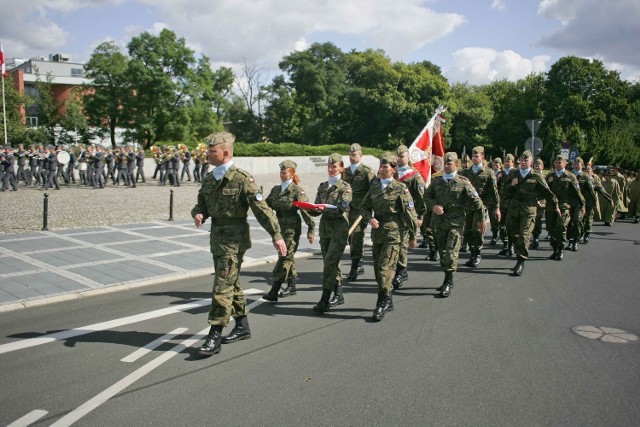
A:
[39,267]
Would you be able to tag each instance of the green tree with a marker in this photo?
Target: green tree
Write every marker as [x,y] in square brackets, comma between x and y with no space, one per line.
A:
[14,101]
[471,111]
[73,119]
[283,117]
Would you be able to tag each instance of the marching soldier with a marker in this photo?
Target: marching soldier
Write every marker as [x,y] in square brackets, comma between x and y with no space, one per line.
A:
[185,157]
[538,167]
[225,196]
[507,243]
[9,175]
[73,160]
[98,167]
[484,181]
[131,166]
[609,209]
[21,154]
[52,164]
[496,166]
[334,229]
[588,189]
[415,184]
[280,199]
[395,220]
[523,187]
[121,160]
[449,196]
[358,176]
[140,165]
[33,165]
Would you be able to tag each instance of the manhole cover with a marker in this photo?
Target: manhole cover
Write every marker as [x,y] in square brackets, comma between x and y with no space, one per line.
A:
[605,334]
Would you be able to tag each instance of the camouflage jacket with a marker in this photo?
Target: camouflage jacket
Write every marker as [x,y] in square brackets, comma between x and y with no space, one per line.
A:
[394,209]
[414,182]
[360,182]
[281,202]
[587,188]
[566,189]
[525,192]
[455,197]
[486,184]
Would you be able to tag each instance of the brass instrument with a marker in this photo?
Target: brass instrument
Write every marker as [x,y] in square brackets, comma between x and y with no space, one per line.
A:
[168,156]
[183,149]
[202,153]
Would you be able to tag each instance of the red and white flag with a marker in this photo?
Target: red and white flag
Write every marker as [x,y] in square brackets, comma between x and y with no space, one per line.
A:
[427,150]
[4,68]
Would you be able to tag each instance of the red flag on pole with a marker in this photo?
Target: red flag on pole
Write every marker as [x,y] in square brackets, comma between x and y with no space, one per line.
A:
[4,68]
[427,150]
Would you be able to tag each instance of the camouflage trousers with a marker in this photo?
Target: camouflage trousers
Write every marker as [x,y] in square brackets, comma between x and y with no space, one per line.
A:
[558,227]
[228,297]
[332,250]
[537,228]
[587,220]
[448,242]
[520,223]
[385,259]
[356,239]
[495,224]
[504,225]
[426,230]
[285,267]
[472,235]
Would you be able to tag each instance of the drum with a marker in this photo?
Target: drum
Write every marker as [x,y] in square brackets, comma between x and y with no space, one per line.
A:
[63,157]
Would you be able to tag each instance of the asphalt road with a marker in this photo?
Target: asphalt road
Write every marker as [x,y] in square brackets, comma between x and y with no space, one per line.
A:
[498,352]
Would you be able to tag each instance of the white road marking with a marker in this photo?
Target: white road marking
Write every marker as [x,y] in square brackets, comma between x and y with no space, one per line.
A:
[116,388]
[96,327]
[29,419]
[152,345]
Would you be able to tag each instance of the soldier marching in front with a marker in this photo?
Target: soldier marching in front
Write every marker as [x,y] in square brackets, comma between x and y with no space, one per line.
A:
[449,197]
[507,244]
[21,155]
[334,228]
[538,167]
[131,166]
[52,164]
[280,199]
[358,176]
[415,184]
[394,220]
[565,227]
[523,188]
[484,181]
[225,196]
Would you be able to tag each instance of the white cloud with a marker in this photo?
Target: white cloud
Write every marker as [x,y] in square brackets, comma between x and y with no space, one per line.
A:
[477,65]
[498,4]
[594,28]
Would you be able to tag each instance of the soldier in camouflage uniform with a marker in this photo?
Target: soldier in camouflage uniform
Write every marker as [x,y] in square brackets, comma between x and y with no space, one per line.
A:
[280,199]
[507,244]
[538,166]
[496,166]
[484,181]
[449,196]
[414,182]
[334,229]
[523,188]
[588,189]
[225,196]
[395,219]
[358,176]
[571,203]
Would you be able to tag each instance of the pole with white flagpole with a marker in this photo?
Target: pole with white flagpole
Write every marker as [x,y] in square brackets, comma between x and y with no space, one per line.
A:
[4,108]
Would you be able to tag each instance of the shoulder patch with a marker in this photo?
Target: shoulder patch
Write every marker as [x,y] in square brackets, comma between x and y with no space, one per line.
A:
[259,197]
[344,203]
[410,204]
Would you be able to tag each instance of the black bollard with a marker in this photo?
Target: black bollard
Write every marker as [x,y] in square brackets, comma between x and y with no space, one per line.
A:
[170,205]
[45,212]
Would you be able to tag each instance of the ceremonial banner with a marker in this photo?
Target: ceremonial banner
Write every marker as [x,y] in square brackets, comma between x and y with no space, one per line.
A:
[427,150]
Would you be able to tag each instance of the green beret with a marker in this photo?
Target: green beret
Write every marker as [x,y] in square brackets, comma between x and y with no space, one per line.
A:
[451,156]
[497,161]
[539,162]
[478,150]
[578,160]
[526,154]
[558,157]
[334,158]
[509,157]
[286,164]
[355,147]
[220,138]
[401,150]
[389,158]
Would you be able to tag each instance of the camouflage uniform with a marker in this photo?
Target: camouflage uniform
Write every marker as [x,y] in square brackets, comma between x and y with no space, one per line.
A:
[588,189]
[540,213]
[523,194]
[456,197]
[570,201]
[226,202]
[395,212]
[484,181]
[290,226]
[501,178]
[360,182]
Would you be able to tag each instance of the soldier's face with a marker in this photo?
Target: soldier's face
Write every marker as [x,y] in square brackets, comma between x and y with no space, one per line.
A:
[334,169]
[496,166]
[508,164]
[216,155]
[525,162]
[559,164]
[477,159]
[450,166]
[537,167]
[577,166]
[355,157]
[285,175]
[386,171]
[403,159]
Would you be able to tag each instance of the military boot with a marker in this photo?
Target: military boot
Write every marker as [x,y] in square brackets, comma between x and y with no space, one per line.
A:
[338,298]
[323,305]
[585,238]
[554,255]
[290,289]
[385,303]
[239,332]
[360,267]
[212,342]
[560,254]
[519,268]
[447,284]
[505,249]
[353,273]
[425,243]
[574,245]
[464,247]
[510,249]
[433,253]
[494,239]
[400,277]
[535,243]
[273,293]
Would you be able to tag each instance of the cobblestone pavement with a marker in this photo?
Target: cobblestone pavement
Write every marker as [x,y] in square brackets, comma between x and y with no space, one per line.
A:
[79,206]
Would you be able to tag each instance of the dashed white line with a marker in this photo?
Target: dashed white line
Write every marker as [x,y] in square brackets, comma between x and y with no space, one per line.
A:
[29,419]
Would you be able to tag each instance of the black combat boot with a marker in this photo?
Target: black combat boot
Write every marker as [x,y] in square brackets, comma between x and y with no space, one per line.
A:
[447,284]
[273,293]
[385,303]
[212,342]
[323,305]
[535,243]
[585,238]
[505,249]
[239,332]
[400,277]
[337,299]
[494,239]
[635,221]
[464,247]
[433,253]
[355,267]
[360,267]
[425,243]
[519,268]
[560,254]
[554,255]
[510,249]
[290,289]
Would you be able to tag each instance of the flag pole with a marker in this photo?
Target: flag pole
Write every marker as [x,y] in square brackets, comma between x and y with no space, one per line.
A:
[4,108]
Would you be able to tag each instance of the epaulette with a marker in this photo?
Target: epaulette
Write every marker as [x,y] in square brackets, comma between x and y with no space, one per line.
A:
[437,174]
[464,178]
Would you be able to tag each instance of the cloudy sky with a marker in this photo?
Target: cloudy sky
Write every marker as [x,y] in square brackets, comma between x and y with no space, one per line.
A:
[474,41]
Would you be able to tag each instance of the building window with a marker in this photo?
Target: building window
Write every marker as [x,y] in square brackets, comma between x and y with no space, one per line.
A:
[77,72]
[32,122]
[31,91]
